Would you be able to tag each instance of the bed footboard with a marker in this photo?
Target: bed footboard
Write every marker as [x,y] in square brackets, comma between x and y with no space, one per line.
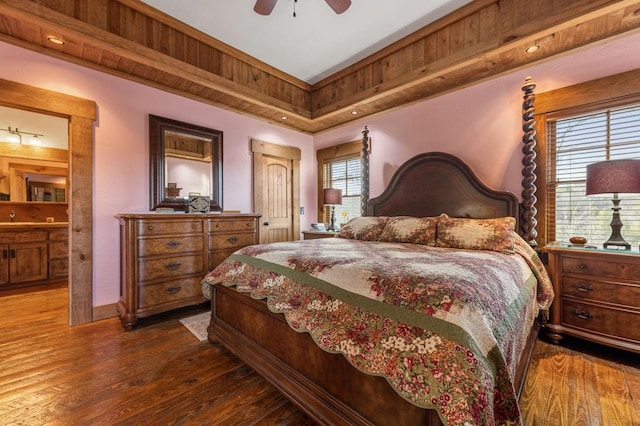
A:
[324,385]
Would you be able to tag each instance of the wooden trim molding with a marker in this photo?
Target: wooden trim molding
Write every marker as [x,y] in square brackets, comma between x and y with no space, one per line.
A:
[81,114]
[480,40]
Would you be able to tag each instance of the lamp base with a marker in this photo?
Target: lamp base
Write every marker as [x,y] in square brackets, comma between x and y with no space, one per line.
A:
[332,226]
[616,239]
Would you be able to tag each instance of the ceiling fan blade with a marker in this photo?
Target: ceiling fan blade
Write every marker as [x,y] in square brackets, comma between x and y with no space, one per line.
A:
[339,6]
[264,7]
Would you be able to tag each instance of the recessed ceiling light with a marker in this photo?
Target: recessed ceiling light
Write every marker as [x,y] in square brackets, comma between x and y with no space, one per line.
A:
[354,112]
[284,117]
[532,49]
[55,40]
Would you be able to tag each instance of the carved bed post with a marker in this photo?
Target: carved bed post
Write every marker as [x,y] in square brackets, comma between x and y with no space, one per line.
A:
[528,212]
[364,190]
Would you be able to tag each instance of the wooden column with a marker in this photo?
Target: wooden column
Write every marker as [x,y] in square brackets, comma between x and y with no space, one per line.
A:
[528,212]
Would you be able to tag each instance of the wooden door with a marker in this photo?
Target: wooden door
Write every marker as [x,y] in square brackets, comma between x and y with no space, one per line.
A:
[28,262]
[276,185]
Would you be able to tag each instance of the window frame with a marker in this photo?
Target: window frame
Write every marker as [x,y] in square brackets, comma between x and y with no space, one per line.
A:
[606,92]
[343,151]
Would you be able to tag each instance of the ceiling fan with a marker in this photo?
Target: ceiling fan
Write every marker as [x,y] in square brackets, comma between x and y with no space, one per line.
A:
[264,7]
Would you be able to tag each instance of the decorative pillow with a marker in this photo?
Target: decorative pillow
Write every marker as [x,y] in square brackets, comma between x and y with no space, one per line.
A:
[363,228]
[406,229]
[476,234]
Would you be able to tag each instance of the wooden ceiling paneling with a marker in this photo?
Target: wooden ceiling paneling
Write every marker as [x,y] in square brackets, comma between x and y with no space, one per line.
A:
[478,41]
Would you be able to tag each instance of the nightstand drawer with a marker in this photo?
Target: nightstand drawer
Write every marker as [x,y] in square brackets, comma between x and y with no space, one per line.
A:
[612,322]
[617,293]
[170,291]
[602,268]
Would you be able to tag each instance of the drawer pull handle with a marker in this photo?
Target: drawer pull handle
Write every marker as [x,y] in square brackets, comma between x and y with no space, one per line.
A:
[232,239]
[150,227]
[13,253]
[583,266]
[5,254]
[173,244]
[582,314]
[173,290]
[193,226]
[173,266]
[583,288]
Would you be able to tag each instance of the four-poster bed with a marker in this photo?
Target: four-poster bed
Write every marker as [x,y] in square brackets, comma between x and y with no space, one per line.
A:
[333,379]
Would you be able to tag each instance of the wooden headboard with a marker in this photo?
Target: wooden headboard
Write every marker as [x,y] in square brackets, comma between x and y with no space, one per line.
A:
[436,182]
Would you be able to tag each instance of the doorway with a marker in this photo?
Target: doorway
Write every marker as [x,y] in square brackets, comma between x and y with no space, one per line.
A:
[81,115]
[276,190]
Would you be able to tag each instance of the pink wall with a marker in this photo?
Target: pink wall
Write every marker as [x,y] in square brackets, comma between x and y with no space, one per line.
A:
[480,124]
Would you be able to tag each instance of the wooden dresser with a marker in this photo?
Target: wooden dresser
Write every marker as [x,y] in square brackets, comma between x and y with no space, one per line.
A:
[597,295]
[165,256]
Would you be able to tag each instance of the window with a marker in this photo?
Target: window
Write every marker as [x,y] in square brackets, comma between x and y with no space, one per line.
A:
[575,140]
[344,174]
[340,167]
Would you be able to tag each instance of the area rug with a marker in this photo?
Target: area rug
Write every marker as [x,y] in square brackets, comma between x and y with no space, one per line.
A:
[197,324]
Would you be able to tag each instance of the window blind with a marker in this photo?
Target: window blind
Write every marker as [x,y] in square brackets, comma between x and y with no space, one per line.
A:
[344,174]
[573,143]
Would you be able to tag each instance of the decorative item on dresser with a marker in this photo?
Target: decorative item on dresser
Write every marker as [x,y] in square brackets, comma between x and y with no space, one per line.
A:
[597,295]
[164,258]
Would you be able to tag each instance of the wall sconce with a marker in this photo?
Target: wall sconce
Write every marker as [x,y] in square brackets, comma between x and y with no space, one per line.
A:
[333,197]
[15,136]
[614,176]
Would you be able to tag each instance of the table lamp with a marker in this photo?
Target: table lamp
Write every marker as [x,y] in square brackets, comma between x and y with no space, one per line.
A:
[614,176]
[333,197]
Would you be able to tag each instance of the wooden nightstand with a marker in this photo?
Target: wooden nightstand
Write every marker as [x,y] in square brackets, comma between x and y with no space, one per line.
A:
[314,235]
[597,295]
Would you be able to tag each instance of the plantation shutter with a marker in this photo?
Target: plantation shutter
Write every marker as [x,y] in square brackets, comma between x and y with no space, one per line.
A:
[573,143]
[344,174]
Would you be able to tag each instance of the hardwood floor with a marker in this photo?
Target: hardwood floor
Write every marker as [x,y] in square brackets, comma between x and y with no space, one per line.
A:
[96,374]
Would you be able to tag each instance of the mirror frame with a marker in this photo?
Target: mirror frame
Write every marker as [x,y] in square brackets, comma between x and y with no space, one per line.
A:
[157,179]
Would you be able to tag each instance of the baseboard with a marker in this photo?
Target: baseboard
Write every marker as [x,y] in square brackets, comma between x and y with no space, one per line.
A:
[104,312]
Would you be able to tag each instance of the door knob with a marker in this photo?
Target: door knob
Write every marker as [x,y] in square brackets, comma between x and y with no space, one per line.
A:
[265,223]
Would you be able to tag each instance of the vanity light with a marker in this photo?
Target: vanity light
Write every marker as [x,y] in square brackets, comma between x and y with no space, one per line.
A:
[15,136]
[532,49]
[55,40]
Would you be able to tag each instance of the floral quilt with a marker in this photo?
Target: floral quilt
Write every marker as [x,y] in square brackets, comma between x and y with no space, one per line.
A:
[444,326]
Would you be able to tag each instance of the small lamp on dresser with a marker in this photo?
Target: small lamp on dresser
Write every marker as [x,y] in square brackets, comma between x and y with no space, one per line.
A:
[614,176]
[332,197]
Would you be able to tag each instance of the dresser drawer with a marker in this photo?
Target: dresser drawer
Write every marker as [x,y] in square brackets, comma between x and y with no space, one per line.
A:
[232,225]
[169,291]
[24,237]
[617,293]
[178,244]
[58,249]
[602,268]
[228,241]
[163,228]
[59,235]
[217,257]
[612,322]
[58,268]
[168,267]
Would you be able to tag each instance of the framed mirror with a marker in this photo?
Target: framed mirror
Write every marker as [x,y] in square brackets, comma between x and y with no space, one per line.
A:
[184,158]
